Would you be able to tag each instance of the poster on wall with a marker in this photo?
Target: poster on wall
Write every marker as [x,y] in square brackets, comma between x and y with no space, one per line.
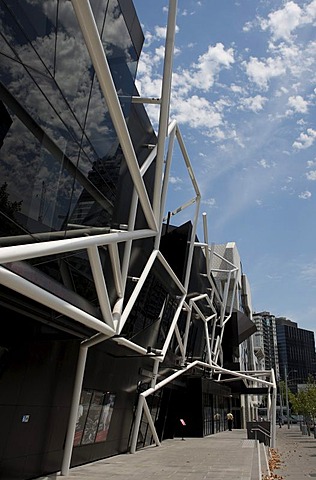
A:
[92,422]
[105,418]
[94,417]
[82,415]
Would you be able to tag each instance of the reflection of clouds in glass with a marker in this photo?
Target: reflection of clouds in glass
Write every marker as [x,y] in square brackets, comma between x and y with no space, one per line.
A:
[54,88]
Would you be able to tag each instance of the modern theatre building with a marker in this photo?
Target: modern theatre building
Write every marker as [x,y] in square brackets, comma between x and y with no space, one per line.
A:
[116,322]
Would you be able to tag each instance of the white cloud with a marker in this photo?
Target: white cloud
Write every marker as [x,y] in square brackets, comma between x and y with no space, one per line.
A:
[311,163]
[210,202]
[209,65]
[196,111]
[263,163]
[161,32]
[309,271]
[175,180]
[247,27]
[311,175]
[255,104]
[236,88]
[305,140]
[282,22]
[298,104]
[305,195]
[262,71]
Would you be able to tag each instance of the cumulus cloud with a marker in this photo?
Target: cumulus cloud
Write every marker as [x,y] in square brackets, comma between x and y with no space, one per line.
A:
[197,112]
[175,180]
[160,32]
[262,71]
[311,163]
[305,140]
[284,22]
[311,175]
[298,104]
[255,104]
[210,202]
[209,65]
[305,195]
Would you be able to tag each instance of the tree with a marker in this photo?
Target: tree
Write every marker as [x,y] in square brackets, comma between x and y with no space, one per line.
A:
[304,402]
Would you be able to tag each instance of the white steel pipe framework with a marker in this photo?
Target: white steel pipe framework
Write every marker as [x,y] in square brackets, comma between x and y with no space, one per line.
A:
[115,317]
[94,45]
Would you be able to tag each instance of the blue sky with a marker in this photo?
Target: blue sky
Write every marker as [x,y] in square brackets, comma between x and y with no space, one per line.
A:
[243,93]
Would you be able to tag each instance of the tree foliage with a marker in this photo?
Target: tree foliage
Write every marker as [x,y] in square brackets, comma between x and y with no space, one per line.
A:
[304,402]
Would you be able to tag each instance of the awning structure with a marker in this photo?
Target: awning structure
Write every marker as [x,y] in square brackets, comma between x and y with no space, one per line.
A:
[238,329]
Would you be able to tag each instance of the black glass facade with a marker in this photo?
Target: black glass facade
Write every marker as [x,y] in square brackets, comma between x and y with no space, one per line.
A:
[63,175]
[61,166]
[297,356]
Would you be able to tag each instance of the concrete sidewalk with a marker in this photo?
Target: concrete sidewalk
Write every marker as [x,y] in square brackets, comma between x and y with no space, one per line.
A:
[298,454]
[226,455]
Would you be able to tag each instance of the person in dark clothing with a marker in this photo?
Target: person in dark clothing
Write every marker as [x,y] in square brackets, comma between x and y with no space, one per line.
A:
[230,419]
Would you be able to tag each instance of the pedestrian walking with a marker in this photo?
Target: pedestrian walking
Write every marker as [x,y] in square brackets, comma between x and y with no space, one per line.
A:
[230,419]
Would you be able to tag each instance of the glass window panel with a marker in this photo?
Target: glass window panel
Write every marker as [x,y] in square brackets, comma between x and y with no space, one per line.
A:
[31,32]
[105,418]
[93,418]
[83,409]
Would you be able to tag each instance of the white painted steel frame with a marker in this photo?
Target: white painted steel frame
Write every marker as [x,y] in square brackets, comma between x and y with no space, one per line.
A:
[114,318]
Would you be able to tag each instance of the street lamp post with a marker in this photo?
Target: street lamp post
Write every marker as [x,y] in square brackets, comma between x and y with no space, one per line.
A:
[286,375]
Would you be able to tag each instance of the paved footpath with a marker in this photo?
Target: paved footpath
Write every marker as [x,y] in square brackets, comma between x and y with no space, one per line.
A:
[298,454]
[223,456]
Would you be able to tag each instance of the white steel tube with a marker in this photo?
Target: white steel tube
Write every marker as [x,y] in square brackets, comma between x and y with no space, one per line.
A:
[187,162]
[198,297]
[213,335]
[173,376]
[100,285]
[94,45]
[224,303]
[137,289]
[273,416]
[165,104]
[181,208]
[133,346]
[132,218]
[179,339]
[146,100]
[186,333]
[198,311]
[28,289]
[269,405]
[233,296]
[137,421]
[207,337]
[116,268]
[155,373]
[32,250]
[169,270]
[151,423]
[241,375]
[207,253]
[74,411]
[191,247]
[166,180]
[172,327]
